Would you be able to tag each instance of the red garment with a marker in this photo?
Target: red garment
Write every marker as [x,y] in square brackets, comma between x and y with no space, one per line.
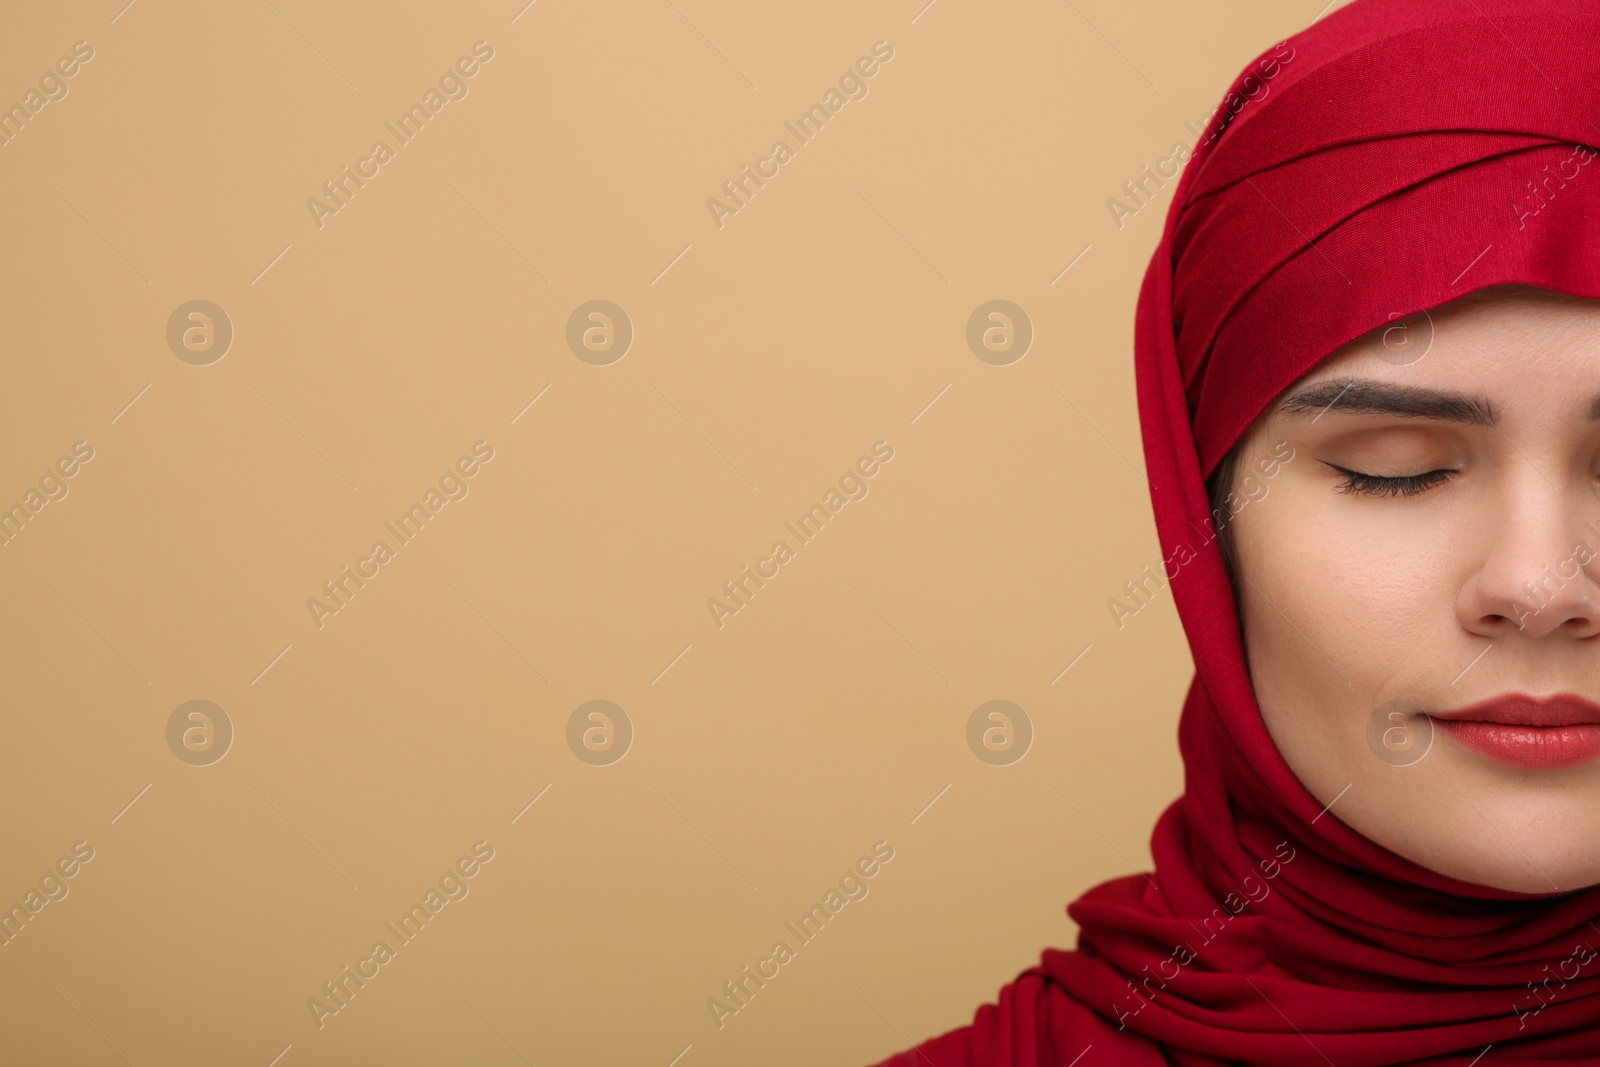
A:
[1402,153]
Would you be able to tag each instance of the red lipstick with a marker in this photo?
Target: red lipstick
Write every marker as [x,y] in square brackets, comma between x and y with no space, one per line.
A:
[1539,733]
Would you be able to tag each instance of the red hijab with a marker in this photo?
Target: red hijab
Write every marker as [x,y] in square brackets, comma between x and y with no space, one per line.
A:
[1403,153]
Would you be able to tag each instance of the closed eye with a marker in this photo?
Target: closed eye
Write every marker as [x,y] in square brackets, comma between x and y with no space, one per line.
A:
[1378,485]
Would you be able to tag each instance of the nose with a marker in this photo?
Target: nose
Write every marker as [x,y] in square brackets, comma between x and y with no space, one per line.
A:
[1537,576]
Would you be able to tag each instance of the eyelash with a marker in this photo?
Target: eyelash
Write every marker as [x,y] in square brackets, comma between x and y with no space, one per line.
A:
[1376,485]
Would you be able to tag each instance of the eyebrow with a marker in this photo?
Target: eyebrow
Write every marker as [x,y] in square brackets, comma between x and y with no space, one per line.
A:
[1368,396]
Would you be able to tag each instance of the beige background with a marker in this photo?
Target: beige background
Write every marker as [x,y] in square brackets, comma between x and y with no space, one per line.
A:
[769,354]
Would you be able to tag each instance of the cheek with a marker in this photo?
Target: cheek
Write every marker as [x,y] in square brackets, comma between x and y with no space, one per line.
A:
[1336,611]
[1346,589]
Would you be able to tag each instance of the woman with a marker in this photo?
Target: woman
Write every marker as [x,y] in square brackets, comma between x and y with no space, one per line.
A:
[1388,850]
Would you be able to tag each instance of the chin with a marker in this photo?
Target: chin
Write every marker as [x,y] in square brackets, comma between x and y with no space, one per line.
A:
[1544,870]
[1518,844]
[1536,832]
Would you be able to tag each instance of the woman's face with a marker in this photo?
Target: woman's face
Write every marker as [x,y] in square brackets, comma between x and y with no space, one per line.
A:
[1374,609]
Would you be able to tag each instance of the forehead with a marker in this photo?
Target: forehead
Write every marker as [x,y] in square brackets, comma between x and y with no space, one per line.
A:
[1515,348]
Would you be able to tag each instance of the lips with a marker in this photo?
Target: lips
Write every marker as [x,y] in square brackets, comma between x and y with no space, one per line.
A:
[1529,732]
